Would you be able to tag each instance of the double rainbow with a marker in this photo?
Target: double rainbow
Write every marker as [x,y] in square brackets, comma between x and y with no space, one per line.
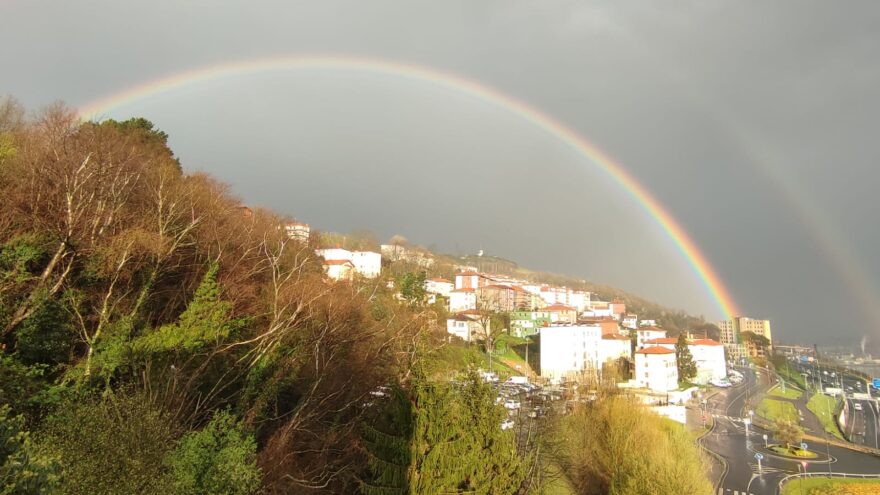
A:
[698,262]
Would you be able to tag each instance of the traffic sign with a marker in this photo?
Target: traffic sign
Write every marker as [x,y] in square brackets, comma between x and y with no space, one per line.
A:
[803,445]
[759,456]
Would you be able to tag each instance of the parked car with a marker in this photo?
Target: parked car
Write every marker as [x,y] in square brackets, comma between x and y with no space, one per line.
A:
[507,424]
[512,404]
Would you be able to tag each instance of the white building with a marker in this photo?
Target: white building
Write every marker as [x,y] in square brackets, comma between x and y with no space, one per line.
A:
[656,369]
[708,355]
[439,286]
[366,263]
[579,299]
[417,256]
[630,321]
[296,230]
[465,326]
[613,347]
[462,300]
[338,269]
[648,323]
[599,309]
[569,350]
[644,334]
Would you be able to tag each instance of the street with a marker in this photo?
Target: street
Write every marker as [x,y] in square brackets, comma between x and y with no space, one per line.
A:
[737,443]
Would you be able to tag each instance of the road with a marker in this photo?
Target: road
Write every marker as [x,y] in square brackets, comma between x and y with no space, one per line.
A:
[737,444]
[864,428]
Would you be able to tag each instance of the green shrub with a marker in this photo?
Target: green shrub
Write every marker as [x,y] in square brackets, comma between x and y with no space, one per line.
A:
[114,445]
[23,470]
[219,459]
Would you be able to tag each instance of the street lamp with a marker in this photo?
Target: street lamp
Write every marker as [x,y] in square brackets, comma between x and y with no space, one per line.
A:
[765,441]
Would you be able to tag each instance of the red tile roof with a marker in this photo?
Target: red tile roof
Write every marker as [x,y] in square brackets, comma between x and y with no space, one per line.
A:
[655,350]
[615,336]
[558,307]
[705,342]
[438,279]
[665,340]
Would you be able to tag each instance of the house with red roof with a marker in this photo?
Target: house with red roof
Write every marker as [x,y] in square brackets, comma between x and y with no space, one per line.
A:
[709,357]
[644,334]
[656,369]
[462,299]
[467,325]
[560,313]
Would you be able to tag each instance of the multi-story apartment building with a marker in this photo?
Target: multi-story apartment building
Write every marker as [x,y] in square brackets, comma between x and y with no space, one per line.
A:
[568,351]
[732,329]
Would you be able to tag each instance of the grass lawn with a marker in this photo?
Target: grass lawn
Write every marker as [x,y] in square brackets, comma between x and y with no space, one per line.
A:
[823,407]
[773,410]
[790,393]
[826,486]
[793,452]
[791,375]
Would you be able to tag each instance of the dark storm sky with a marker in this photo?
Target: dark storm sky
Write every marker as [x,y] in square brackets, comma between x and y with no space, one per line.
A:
[754,123]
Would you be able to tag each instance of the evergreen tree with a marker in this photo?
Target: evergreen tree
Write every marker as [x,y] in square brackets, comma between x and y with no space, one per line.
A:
[687,368]
[436,438]
[205,321]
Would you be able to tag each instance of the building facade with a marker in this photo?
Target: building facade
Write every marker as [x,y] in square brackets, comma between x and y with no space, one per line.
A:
[656,369]
[568,351]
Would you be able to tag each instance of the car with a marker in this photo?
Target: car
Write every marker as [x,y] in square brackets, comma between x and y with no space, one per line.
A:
[512,404]
[858,406]
[507,424]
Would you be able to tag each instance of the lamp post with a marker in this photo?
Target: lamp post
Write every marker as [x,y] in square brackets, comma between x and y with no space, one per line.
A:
[765,441]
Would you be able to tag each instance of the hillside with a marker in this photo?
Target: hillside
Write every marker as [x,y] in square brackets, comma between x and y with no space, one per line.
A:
[445,266]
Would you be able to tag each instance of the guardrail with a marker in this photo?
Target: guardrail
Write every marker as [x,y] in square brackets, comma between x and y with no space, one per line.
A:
[791,477]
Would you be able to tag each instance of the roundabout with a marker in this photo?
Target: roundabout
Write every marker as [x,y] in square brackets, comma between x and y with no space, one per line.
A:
[793,454]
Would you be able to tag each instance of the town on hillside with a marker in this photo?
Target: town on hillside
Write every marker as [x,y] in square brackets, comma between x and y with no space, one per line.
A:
[576,335]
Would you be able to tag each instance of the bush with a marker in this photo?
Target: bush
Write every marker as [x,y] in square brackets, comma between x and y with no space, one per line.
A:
[114,445]
[23,471]
[219,459]
[617,447]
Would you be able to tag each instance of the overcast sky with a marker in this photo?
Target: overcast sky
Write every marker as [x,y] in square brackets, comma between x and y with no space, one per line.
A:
[755,123]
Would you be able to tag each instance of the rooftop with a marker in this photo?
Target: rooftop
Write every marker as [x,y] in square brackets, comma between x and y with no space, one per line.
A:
[655,350]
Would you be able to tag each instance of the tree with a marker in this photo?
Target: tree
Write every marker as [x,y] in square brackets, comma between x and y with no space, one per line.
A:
[220,458]
[412,287]
[114,445]
[613,446]
[23,471]
[687,369]
[434,438]
[787,432]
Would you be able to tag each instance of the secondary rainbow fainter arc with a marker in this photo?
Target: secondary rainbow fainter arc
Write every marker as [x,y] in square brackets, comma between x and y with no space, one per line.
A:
[695,258]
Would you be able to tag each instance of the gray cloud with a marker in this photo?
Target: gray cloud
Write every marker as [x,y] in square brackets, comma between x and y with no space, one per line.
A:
[739,116]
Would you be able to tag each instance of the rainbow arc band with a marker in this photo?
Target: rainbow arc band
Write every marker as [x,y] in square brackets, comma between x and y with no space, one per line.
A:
[695,258]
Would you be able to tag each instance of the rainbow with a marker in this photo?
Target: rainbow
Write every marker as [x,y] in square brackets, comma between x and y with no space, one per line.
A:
[698,262]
